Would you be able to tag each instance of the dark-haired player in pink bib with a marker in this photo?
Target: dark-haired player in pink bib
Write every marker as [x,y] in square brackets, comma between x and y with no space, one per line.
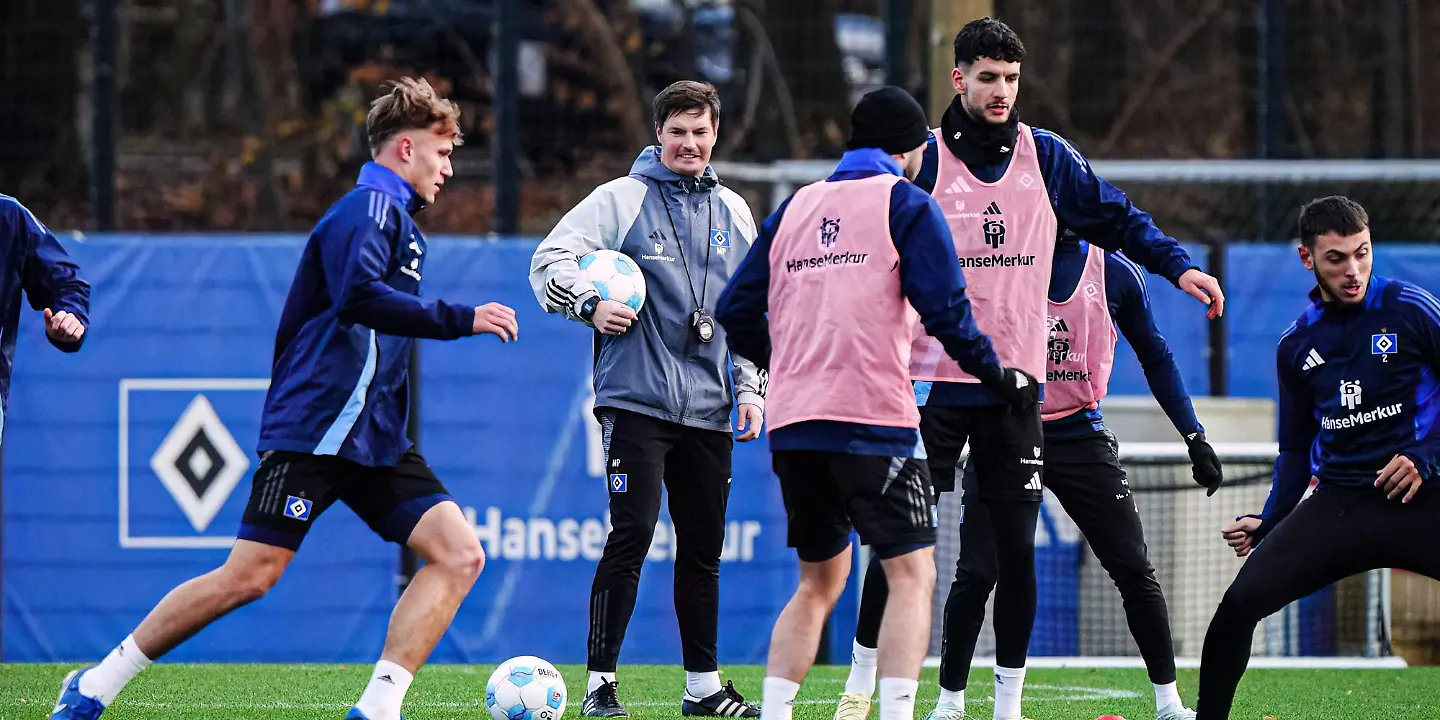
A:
[1092,293]
[1007,190]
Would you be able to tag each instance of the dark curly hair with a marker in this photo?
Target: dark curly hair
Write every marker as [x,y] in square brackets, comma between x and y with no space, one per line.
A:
[1333,214]
[987,37]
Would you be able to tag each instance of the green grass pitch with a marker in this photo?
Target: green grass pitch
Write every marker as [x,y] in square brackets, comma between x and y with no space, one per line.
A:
[305,692]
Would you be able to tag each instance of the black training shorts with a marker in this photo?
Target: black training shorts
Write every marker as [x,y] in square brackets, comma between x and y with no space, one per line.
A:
[290,490]
[1007,447]
[888,501]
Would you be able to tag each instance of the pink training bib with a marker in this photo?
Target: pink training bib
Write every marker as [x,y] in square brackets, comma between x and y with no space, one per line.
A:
[1082,345]
[840,326]
[1005,240]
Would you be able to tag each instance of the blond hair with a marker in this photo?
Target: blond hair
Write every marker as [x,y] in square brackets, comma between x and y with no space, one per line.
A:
[410,104]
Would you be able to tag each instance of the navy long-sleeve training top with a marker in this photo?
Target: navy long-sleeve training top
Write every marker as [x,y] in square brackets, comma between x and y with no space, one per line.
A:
[1085,204]
[929,277]
[34,263]
[1357,386]
[1129,305]
[340,381]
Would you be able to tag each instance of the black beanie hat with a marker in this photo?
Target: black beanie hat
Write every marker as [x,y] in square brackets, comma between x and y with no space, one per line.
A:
[889,119]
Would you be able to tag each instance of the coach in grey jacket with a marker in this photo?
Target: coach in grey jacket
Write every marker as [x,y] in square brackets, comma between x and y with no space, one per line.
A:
[663,391]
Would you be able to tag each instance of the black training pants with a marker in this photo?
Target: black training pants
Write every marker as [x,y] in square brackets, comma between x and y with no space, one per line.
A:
[1085,475]
[1332,535]
[1000,505]
[641,453]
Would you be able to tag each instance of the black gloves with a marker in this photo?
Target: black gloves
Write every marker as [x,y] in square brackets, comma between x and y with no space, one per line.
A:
[1204,463]
[1016,387]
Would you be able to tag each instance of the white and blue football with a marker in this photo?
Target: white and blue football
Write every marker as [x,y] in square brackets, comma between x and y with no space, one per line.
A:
[615,276]
[525,688]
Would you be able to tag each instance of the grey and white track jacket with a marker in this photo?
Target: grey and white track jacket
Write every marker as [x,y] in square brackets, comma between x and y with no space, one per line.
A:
[658,367]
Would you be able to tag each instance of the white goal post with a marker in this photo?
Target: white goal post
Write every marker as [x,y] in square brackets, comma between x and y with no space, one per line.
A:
[1194,567]
[785,176]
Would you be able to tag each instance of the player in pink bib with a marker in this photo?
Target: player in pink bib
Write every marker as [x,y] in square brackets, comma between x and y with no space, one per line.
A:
[1006,190]
[844,269]
[1092,293]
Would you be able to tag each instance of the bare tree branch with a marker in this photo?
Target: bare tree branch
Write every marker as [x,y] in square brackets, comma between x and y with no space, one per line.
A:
[765,54]
[1157,69]
[258,155]
[1297,124]
[1047,96]
[754,88]
[615,70]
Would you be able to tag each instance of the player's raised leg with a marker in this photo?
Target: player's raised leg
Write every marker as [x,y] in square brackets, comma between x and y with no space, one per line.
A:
[248,573]
[271,531]
[1336,533]
[446,541]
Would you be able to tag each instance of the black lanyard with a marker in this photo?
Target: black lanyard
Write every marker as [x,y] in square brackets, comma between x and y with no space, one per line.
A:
[680,243]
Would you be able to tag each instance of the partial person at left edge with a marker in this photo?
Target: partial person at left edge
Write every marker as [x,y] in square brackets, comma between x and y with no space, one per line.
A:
[36,264]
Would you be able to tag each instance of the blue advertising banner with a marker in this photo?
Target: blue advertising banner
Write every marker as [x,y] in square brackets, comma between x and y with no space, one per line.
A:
[127,466]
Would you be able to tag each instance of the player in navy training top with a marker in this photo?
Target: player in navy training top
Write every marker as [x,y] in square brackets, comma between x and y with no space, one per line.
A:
[1357,409]
[335,418]
[36,265]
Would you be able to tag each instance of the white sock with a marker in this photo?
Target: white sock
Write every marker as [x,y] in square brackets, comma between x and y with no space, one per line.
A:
[702,685]
[862,671]
[953,698]
[897,698]
[777,701]
[386,692]
[105,681]
[1167,695]
[597,679]
[1008,684]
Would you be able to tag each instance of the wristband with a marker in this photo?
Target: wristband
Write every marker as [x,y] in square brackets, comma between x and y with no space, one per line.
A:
[587,308]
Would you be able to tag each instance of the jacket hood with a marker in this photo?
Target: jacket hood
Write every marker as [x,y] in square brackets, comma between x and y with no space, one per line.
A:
[648,165]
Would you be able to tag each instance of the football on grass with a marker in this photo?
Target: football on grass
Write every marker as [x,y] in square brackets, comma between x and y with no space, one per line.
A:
[525,688]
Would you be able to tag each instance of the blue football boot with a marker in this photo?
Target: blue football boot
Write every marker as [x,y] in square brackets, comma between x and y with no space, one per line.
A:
[72,705]
[355,714]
